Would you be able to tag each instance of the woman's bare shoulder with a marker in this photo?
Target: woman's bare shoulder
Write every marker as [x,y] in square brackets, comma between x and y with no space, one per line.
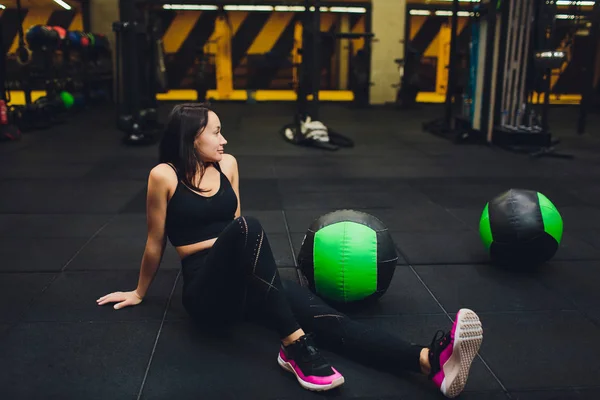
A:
[163,175]
[229,165]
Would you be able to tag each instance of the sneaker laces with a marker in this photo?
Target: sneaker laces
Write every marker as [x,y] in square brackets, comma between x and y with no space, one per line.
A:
[309,352]
[438,343]
[437,340]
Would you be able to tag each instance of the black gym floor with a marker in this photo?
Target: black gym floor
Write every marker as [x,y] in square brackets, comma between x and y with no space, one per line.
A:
[72,228]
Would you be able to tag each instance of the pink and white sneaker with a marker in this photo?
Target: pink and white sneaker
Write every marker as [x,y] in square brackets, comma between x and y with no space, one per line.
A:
[451,354]
[305,361]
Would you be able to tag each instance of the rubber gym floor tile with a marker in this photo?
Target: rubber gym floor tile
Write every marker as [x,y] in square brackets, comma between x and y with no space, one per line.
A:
[78,291]
[382,147]
[484,288]
[190,364]
[469,215]
[398,189]
[51,225]
[136,204]
[342,185]
[591,237]
[580,218]
[42,153]
[9,149]
[125,226]
[593,315]
[457,195]
[65,197]
[177,312]
[118,253]
[556,189]
[353,200]
[272,221]
[496,395]
[260,194]
[76,360]
[251,166]
[249,358]
[573,248]
[3,330]
[123,167]
[538,350]
[282,251]
[588,193]
[418,217]
[108,170]
[305,168]
[458,247]
[21,289]
[44,171]
[349,167]
[577,281]
[566,394]
[37,254]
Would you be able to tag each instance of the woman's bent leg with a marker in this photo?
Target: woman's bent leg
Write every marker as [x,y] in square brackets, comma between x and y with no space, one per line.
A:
[239,278]
[358,341]
[449,356]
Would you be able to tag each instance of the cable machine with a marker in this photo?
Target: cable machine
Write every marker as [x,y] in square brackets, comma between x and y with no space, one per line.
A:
[512,53]
[140,72]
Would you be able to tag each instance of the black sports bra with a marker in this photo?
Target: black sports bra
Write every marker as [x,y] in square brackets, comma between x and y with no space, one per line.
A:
[192,217]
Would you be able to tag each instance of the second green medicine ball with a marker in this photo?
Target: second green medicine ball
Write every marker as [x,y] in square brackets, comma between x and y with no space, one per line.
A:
[521,227]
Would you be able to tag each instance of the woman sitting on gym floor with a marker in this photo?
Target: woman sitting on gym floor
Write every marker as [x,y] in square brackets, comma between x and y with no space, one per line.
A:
[229,272]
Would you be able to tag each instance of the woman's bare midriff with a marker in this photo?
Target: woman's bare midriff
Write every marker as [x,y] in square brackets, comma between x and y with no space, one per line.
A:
[190,249]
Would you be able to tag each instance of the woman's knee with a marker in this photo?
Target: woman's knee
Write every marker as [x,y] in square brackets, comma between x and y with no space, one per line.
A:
[250,225]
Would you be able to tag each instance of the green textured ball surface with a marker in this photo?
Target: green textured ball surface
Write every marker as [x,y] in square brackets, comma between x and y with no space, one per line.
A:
[521,227]
[348,257]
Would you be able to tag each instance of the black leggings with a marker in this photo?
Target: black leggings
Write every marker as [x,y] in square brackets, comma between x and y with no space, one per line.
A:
[238,279]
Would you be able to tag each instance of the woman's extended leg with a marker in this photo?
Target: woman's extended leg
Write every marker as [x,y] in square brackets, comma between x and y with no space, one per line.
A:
[238,278]
[446,360]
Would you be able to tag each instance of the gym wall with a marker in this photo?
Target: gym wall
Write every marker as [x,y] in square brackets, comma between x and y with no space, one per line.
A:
[261,47]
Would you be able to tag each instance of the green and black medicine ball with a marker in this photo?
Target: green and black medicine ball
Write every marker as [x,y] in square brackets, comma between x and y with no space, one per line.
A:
[521,227]
[348,257]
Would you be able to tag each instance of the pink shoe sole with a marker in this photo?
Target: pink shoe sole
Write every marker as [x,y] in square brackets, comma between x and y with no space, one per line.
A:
[308,385]
[468,337]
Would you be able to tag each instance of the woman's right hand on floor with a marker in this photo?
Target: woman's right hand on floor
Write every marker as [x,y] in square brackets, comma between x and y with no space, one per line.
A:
[123,299]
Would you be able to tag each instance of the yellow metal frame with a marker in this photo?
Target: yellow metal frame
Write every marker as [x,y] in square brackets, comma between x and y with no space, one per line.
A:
[259,95]
[443,59]
[18,97]
[296,56]
[223,64]
[432,97]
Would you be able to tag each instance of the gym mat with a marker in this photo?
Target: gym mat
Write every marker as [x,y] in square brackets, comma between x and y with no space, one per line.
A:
[73,228]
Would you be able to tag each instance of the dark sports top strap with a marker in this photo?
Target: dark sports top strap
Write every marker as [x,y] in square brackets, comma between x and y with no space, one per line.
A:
[174,169]
[217,166]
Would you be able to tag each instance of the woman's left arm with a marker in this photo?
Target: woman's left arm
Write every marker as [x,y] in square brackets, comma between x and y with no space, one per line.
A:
[235,182]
